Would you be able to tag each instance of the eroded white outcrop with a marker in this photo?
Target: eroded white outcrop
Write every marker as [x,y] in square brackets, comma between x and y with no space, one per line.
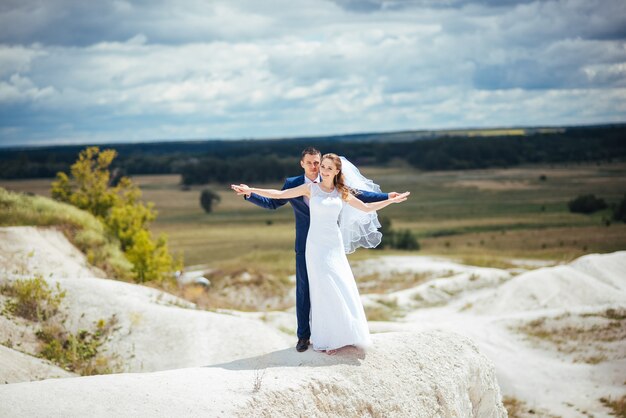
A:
[428,374]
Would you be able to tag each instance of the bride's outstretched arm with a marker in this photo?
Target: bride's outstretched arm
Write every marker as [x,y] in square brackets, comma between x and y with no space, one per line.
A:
[302,190]
[371,207]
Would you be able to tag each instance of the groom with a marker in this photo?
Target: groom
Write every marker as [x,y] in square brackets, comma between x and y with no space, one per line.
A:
[310,162]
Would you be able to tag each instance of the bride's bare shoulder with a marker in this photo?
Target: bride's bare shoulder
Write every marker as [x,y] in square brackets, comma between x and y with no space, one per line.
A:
[306,188]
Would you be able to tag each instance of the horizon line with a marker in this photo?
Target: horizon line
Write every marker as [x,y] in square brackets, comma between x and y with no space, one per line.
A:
[304,137]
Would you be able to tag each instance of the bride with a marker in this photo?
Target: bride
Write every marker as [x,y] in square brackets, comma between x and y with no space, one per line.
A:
[340,223]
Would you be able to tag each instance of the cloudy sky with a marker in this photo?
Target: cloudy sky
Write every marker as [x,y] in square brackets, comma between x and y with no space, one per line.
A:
[74,71]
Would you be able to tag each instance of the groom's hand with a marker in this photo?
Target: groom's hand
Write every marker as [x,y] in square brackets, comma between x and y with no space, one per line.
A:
[393,194]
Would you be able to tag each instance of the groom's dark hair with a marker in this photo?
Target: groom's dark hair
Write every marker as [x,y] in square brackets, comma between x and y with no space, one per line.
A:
[310,151]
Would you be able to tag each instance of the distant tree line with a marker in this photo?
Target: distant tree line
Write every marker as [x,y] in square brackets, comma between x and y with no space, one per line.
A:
[575,145]
[244,169]
[273,160]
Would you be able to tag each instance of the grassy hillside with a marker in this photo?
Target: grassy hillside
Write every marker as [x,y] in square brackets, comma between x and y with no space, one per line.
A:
[483,216]
[490,214]
[80,227]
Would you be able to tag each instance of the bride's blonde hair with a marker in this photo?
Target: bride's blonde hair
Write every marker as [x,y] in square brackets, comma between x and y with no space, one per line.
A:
[339,181]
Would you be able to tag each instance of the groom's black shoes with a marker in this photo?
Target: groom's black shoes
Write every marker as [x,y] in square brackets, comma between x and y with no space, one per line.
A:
[303,344]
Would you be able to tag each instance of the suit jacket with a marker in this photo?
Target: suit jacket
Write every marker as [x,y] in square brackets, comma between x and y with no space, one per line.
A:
[301,209]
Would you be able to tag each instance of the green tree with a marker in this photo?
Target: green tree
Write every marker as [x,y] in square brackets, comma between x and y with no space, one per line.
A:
[89,187]
[120,208]
[151,260]
[129,216]
[586,204]
[207,198]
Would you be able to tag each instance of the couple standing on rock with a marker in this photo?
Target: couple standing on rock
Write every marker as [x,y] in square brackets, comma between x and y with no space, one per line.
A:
[335,209]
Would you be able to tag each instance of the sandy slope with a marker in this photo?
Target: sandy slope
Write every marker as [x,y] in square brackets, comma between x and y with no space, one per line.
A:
[405,374]
[574,295]
[31,249]
[433,374]
[592,280]
[19,367]
[155,330]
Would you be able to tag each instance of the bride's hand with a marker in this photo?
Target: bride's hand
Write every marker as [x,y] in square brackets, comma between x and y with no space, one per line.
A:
[241,189]
[399,197]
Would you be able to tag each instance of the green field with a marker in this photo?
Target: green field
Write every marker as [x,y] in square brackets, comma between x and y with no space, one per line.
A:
[482,216]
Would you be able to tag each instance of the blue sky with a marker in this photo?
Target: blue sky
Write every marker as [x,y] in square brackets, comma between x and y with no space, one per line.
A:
[108,71]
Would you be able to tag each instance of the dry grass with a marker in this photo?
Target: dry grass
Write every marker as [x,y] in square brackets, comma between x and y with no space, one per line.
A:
[384,310]
[244,289]
[513,406]
[517,408]
[32,299]
[385,283]
[562,244]
[617,406]
[258,380]
[480,260]
[611,313]
[494,185]
[205,243]
[588,338]
[423,303]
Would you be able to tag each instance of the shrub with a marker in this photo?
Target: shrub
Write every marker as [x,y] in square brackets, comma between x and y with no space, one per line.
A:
[619,213]
[403,239]
[80,352]
[32,298]
[77,352]
[207,197]
[388,233]
[586,204]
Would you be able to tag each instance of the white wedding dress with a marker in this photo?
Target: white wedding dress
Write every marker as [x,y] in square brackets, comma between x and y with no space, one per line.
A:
[337,315]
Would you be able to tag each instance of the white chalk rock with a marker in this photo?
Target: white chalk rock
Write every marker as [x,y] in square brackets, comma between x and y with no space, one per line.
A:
[427,374]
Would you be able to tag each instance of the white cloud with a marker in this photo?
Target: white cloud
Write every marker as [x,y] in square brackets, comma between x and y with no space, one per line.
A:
[249,68]
[22,89]
[17,59]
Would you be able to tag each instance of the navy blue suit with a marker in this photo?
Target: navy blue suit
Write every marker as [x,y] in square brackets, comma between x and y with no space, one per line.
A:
[303,218]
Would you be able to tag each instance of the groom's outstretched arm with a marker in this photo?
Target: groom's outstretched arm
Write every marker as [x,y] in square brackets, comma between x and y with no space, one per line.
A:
[266,202]
[370,197]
